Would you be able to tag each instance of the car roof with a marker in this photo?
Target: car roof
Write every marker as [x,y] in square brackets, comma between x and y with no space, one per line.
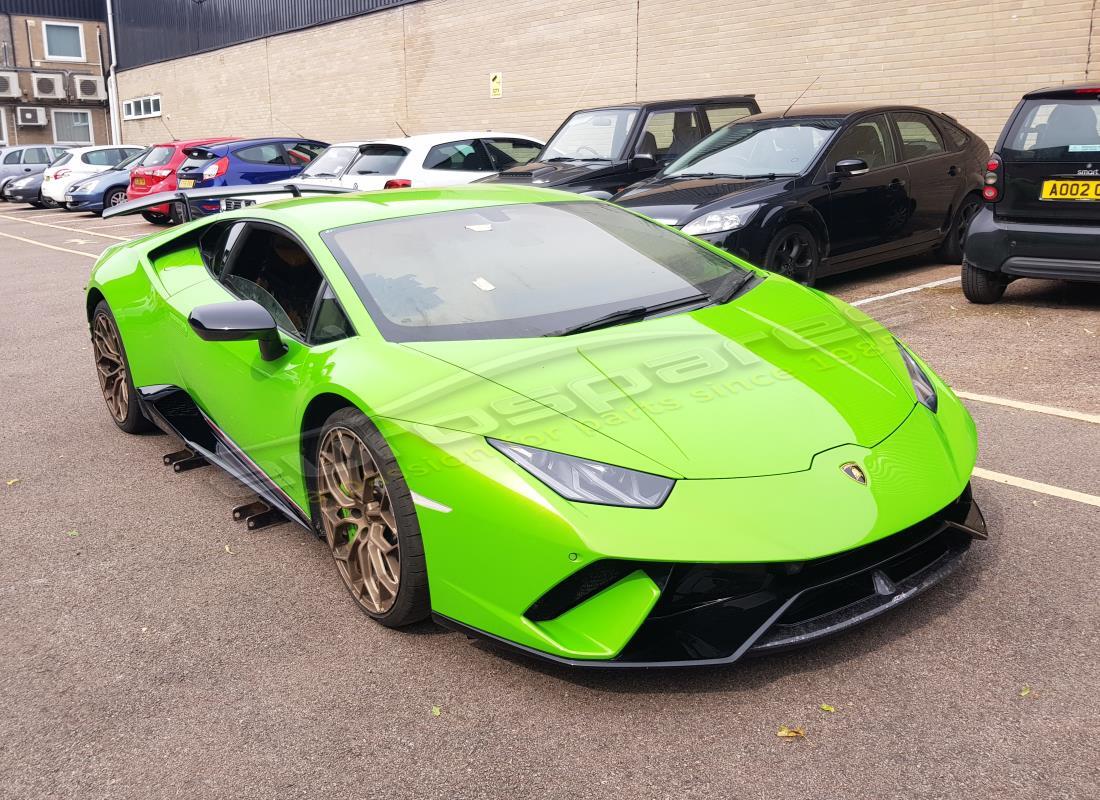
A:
[223,147]
[1092,88]
[76,151]
[835,111]
[682,101]
[181,143]
[312,215]
[431,139]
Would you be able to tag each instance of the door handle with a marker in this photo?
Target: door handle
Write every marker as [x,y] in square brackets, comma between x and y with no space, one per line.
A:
[953,171]
[897,182]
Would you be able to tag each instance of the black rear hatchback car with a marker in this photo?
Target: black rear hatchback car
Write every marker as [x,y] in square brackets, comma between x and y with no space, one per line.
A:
[824,189]
[601,150]
[1042,213]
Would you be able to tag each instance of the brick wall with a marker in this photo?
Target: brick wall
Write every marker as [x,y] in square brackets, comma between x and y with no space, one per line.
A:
[426,66]
[28,52]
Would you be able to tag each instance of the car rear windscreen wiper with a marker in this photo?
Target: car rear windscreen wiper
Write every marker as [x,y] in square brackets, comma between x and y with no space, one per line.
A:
[632,314]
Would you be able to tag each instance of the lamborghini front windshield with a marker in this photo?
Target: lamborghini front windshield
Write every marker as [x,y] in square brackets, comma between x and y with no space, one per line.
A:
[522,270]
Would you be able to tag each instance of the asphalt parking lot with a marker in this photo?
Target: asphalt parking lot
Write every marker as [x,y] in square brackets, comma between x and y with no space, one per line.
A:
[154,648]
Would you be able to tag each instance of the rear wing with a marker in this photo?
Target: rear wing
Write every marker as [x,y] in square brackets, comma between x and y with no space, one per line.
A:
[182,200]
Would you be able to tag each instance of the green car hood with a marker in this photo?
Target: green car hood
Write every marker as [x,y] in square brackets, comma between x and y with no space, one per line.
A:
[754,387]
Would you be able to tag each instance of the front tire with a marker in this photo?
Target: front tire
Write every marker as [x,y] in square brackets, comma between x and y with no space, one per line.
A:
[113,371]
[794,252]
[981,286]
[365,510]
[950,250]
[115,197]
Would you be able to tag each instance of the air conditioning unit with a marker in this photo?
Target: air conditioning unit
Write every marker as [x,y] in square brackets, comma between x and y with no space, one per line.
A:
[47,87]
[30,116]
[89,87]
[9,85]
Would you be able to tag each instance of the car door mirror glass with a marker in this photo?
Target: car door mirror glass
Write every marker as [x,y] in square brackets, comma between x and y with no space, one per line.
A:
[238,321]
[850,167]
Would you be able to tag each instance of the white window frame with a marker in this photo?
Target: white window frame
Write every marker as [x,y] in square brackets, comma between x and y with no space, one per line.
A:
[91,128]
[135,102]
[3,126]
[46,42]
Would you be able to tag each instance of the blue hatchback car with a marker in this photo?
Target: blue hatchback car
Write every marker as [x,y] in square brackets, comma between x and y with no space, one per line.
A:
[244,161]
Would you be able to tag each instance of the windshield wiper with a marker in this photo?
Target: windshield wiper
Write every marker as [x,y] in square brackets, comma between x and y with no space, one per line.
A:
[768,175]
[318,175]
[633,314]
[731,287]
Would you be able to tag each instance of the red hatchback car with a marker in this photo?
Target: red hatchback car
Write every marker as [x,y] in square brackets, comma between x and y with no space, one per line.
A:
[157,173]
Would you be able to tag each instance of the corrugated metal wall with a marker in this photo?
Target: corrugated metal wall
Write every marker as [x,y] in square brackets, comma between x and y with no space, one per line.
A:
[157,30]
[57,9]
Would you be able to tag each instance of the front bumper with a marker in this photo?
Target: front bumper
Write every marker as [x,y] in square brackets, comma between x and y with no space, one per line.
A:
[710,614]
[1063,251]
[21,195]
[83,202]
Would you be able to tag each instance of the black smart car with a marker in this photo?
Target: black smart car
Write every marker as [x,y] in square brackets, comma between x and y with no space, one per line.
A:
[1042,213]
[601,150]
[825,189]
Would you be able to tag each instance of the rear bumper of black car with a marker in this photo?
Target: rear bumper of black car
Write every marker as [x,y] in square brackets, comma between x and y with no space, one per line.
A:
[711,614]
[1065,251]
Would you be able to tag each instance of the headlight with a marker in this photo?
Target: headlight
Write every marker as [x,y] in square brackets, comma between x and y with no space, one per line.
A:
[729,220]
[926,393]
[589,481]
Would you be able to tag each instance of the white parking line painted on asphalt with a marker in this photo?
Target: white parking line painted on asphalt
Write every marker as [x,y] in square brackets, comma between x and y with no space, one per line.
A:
[50,246]
[1035,486]
[65,228]
[1039,409]
[900,292]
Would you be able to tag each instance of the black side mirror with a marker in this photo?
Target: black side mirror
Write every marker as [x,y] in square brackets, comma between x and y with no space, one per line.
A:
[643,161]
[238,321]
[850,167]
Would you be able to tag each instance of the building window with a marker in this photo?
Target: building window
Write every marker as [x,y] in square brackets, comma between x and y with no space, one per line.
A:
[3,127]
[63,41]
[141,107]
[72,127]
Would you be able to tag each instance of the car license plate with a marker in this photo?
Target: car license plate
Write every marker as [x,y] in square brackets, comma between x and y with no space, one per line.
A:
[139,181]
[187,183]
[68,198]
[1071,190]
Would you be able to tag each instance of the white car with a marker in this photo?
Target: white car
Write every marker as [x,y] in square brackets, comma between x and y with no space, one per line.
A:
[78,163]
[426,160]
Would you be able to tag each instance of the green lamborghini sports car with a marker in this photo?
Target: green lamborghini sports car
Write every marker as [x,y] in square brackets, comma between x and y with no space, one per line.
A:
[542,419]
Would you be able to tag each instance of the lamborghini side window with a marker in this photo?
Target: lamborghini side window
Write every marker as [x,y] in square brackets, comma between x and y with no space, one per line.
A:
[271,268]
[329,321]
[216,243]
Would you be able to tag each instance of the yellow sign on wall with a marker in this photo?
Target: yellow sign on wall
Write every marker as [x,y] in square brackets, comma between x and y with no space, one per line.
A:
[496,85]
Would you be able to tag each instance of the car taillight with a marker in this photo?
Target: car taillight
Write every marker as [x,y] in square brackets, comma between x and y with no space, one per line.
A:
[992,191]
[160,173]
[398,183]
[1089,90]
[219,167]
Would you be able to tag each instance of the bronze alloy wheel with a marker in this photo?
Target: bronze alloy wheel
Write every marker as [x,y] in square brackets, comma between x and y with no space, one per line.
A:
[358,519]
[111,367]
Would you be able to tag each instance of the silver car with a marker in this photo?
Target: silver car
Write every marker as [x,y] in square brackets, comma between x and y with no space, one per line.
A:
[23,160]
